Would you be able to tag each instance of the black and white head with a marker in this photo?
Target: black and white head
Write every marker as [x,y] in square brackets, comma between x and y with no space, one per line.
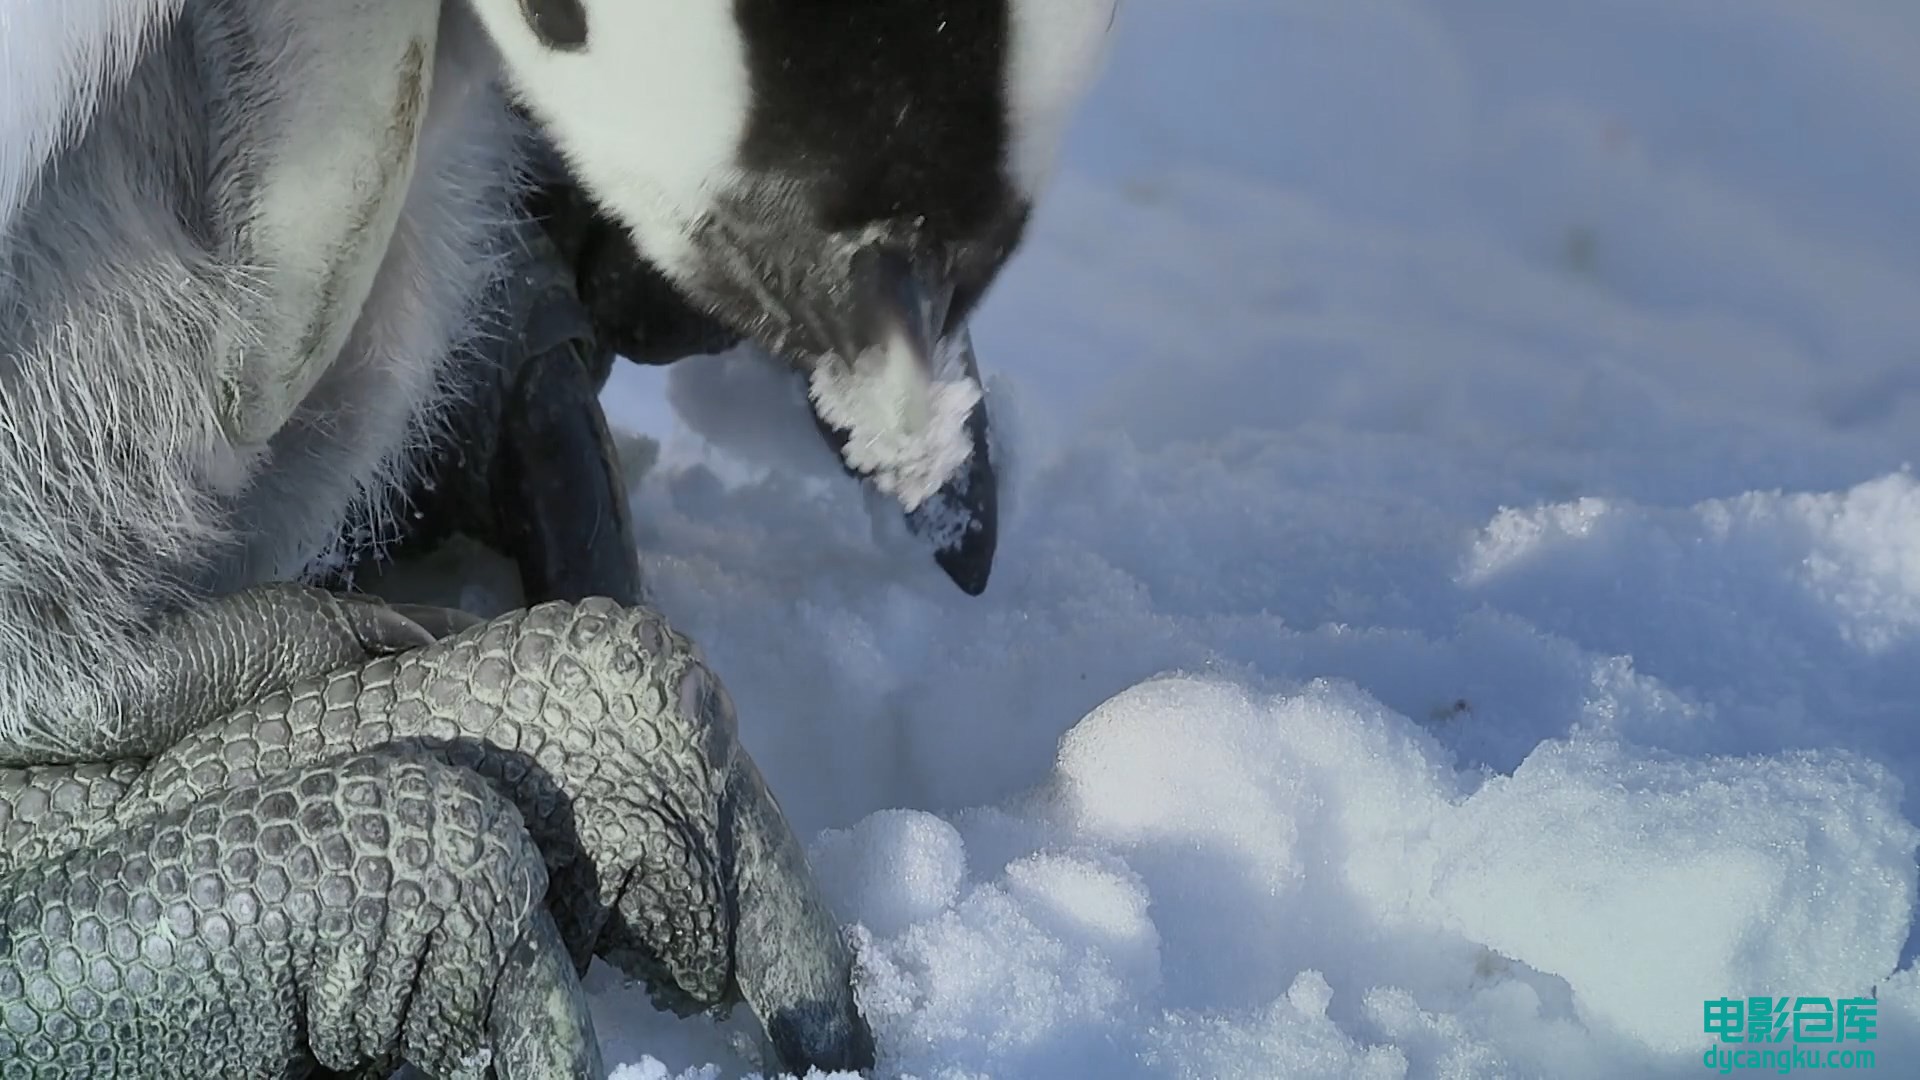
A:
[839,181]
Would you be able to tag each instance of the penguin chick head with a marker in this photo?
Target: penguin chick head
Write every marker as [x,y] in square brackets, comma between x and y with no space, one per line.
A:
[839,181]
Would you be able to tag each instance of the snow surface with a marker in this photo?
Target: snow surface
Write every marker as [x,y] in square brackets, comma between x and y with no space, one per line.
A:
[1459,603]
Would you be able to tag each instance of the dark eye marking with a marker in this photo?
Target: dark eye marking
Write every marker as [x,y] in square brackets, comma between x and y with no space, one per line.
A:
[560,25]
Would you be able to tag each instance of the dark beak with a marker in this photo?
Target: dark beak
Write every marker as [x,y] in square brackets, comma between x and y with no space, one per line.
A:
[962,519]
[895,347]
[637,313]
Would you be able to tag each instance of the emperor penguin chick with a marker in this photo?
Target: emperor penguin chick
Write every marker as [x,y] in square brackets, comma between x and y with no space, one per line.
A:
[243,245]
[838,183]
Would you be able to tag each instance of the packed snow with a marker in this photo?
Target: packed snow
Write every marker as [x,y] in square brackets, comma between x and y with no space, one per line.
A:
[1458,607]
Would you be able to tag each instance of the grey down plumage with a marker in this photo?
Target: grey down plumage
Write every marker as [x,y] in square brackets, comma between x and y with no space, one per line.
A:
[247,248]
[249,827]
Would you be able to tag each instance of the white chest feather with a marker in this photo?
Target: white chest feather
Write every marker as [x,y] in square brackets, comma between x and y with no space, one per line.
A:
[1056,48]
[335,175]
[394,306]
[55,61]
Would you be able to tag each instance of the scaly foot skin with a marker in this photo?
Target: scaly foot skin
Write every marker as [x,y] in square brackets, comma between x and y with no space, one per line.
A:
[596,724]
[345,914]
[213,658]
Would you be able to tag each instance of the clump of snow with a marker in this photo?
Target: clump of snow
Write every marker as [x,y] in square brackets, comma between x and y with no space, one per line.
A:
[906,426]
[649,1069]
[893,869]
[1651,884]
[1460,604]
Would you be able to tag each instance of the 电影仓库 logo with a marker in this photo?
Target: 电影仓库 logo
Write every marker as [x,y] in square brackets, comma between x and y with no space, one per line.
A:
[1781,1034]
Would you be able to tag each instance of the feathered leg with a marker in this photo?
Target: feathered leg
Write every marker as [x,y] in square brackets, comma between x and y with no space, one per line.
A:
[527,466]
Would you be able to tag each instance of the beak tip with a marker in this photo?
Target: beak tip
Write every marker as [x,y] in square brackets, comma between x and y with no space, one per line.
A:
[964,532]
[963,520]
[969,564]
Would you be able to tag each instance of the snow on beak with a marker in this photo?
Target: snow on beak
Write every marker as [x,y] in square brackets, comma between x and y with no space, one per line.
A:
[900,399]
